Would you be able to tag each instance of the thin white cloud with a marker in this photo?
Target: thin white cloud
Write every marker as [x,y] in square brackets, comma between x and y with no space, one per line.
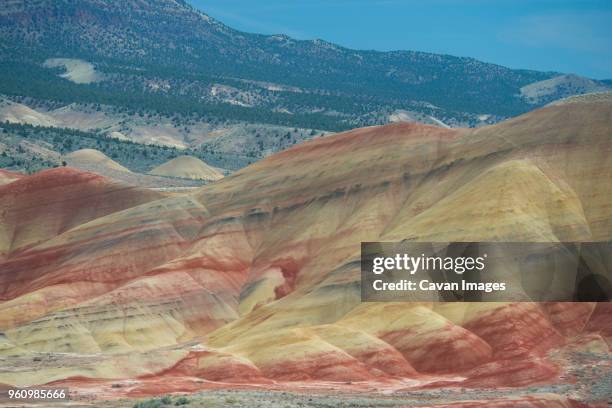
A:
[588,32]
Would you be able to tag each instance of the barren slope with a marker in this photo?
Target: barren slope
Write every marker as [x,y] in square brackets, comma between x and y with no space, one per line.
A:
[255,278]
[187,167]
[90,158]
[7,177]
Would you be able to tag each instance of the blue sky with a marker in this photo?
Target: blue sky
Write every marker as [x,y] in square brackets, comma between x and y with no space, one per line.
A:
[549,35]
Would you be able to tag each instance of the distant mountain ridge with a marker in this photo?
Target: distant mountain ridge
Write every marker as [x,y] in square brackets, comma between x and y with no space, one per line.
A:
[165,52]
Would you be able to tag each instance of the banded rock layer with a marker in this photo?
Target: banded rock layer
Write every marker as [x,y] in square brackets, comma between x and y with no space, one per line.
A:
[255,278]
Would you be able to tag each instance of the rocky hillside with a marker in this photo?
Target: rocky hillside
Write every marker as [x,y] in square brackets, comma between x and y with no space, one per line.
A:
[166,56]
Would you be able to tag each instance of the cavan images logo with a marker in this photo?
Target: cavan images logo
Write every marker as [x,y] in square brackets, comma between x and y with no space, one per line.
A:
[485,271]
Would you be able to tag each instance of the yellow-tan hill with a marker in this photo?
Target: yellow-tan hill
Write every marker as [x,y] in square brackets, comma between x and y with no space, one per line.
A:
[89,159]
[188,167]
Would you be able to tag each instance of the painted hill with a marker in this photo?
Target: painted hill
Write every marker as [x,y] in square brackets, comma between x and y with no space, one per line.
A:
[254,280]
[7,177]
[18,113]
[36,208]
[188,167]
[92,159]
